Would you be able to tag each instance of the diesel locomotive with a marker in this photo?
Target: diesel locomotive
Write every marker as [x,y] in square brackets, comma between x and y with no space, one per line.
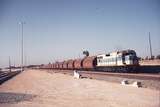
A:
[118,61]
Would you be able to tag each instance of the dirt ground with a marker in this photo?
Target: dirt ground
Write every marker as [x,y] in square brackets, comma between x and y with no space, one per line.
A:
[35,88]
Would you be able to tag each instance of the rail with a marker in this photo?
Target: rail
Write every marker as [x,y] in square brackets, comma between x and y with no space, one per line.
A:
[4,76]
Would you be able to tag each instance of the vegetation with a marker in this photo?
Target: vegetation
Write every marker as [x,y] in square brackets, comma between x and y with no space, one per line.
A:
[86,53]
[158,57]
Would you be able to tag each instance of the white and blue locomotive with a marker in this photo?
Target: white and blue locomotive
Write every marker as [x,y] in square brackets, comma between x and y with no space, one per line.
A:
[123,61]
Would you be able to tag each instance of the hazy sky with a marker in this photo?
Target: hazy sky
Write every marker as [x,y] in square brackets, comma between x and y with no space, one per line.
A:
[62,29]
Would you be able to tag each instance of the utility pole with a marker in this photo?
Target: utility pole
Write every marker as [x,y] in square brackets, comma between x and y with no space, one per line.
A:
[25,60]
[14,64]
[9,64]
[22,25]
[150,45]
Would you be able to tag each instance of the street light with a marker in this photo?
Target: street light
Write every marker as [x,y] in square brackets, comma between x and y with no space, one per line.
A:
[9,64]
[22,25]
[150,46]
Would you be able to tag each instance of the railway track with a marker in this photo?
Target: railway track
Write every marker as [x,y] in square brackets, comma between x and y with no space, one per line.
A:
[4,76]
[95,74]
[140,76]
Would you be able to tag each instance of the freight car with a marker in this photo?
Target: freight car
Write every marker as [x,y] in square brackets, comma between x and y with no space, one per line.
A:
[78,64]
[56,65]
[89,63]
[70,64]
[60,65]
[119,61]
[65,64]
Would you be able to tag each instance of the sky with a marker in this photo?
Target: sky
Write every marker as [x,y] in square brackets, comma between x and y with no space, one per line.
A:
[57,30]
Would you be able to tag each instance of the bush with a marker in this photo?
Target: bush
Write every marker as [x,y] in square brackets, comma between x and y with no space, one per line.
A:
[158,57]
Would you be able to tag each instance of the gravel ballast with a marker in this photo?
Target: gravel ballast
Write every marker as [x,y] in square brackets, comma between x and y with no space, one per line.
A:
[38,88]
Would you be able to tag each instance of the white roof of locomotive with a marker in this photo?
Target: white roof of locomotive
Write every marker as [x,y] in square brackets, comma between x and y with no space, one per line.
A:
[115,53]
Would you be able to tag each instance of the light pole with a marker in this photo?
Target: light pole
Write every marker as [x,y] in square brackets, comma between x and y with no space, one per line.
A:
[22,25]
[9,64]
[150,46]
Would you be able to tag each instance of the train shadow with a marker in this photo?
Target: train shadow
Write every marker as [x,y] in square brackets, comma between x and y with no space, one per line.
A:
[8,97]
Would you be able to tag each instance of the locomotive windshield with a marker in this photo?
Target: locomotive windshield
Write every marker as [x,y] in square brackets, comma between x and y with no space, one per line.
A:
[130,57]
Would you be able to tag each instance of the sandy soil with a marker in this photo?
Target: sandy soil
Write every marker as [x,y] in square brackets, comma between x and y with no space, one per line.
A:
[34,88]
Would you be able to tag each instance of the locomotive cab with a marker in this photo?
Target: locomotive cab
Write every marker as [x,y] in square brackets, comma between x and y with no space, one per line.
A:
[130,58]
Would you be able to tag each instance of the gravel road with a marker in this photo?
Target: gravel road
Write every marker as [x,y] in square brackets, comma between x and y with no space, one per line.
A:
[37,88]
